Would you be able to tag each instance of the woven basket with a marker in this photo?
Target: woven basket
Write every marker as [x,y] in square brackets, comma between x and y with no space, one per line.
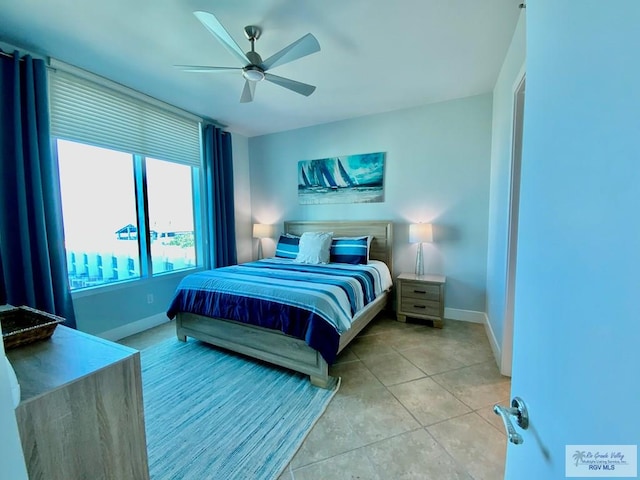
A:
[23,325]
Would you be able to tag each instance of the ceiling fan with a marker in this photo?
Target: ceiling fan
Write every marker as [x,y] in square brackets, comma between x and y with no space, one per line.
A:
[255,69]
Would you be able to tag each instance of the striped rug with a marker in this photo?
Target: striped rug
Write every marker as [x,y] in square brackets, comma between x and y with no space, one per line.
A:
[215,415]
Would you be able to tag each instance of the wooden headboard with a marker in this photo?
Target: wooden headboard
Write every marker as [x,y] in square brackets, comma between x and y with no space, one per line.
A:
[382,231]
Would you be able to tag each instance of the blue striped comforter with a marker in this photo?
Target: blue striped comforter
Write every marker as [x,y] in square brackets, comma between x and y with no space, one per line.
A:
[315,303]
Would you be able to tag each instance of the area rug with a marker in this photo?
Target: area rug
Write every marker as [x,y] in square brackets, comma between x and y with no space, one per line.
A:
[211,414]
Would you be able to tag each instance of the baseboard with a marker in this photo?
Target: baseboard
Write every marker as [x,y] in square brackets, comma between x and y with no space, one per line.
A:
[464,315]
[493,341]
[134,327]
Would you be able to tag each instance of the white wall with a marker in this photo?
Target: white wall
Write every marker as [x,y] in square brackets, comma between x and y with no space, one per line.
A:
[501,148]
[437,170]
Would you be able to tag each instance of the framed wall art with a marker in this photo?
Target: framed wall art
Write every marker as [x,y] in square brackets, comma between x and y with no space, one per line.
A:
[347,179]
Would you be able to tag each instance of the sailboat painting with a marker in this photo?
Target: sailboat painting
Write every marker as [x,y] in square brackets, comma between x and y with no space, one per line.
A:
[348,179]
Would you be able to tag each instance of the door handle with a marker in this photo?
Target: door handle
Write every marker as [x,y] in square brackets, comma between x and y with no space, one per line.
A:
[518,411]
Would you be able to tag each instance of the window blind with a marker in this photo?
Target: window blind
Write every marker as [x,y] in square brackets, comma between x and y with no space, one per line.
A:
[92,113]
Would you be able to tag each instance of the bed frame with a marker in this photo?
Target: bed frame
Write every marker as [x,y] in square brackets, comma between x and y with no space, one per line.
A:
[281,349]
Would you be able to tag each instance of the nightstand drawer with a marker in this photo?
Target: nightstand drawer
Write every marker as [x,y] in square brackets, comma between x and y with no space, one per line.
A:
[420,290]
[420,307]
[421,297]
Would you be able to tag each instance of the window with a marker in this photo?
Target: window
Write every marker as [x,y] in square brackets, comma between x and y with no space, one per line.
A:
[130,180]
[170,199]
[98,205]
[103,206]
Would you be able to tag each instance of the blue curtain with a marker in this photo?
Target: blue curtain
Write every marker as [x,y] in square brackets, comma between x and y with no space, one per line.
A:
[218,164]
[33,265]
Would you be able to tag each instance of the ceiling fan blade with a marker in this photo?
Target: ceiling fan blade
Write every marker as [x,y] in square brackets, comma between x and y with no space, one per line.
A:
[298,87]
[300,48]
[248,92]
[212,24]
[205,69]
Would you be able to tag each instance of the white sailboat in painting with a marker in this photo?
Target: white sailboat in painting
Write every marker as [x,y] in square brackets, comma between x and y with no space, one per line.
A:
[341,175]
[324,174]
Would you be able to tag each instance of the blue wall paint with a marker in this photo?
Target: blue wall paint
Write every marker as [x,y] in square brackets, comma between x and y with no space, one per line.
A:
[104,309]
[576,352]
[242,197]
[501,145]
[437,169]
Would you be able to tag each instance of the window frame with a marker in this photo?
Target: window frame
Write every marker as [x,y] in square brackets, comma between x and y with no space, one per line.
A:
[89,109]
[142,223]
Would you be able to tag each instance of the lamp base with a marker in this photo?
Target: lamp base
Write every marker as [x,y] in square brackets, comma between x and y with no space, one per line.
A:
[419,262]
[259,249]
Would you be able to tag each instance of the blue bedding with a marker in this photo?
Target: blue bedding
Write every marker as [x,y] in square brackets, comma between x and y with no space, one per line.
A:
[315,303]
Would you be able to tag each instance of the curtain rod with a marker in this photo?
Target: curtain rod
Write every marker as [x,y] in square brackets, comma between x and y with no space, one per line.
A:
[10,55]
[5,54]
[8,50]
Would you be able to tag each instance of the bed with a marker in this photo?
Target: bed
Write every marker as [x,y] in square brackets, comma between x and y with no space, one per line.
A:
[272,345]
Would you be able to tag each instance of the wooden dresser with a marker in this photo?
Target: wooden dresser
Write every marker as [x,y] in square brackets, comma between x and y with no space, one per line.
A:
[421,296]
[81,414]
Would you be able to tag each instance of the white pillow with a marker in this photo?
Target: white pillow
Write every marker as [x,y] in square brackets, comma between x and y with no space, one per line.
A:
[314,247]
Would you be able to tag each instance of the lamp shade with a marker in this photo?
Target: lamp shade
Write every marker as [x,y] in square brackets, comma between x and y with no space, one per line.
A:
[261,230]
[420,232]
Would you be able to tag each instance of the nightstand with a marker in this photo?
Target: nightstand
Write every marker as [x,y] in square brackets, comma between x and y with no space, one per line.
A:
[421,296]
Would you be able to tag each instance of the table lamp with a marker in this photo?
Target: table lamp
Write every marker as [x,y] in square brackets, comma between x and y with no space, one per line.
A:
[260,231]
[420,233]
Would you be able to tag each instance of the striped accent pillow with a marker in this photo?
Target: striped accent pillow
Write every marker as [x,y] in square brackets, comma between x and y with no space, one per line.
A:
[288,246]
[353,250]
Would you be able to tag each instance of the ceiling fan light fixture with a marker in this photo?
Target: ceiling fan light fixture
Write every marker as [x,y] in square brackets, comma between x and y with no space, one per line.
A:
[253,73]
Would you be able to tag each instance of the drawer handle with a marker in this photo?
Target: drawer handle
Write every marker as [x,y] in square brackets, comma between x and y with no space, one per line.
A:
[419,291]
[419,306]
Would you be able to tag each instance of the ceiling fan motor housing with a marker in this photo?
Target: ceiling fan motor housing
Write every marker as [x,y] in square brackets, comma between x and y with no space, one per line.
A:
[254,58]
[253,72]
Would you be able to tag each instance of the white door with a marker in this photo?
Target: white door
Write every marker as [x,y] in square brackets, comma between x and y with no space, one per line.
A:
[576,352]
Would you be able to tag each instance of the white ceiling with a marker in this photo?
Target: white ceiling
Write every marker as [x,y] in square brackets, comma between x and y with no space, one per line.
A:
[377,55]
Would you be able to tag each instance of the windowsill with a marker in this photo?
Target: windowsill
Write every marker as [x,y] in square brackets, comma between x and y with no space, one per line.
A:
[112,287]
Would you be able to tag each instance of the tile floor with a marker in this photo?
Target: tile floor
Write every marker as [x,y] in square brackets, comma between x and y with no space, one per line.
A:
[415,402]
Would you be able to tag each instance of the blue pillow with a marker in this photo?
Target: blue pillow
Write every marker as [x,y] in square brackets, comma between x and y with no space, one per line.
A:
[353,250]
[288,246]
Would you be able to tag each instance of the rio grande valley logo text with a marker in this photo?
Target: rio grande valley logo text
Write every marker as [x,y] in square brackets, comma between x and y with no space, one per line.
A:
[619,461]
[597,460]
